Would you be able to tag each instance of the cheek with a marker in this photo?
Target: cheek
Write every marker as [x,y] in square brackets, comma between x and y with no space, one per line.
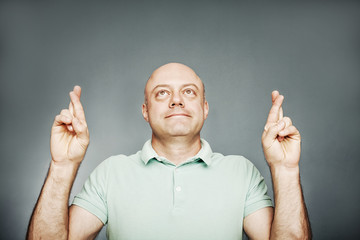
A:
[200,106]
[154,112]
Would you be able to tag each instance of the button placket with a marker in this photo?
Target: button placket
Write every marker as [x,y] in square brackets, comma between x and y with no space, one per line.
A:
[178,188]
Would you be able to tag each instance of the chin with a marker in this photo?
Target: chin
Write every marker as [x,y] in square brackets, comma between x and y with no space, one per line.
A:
[179,131]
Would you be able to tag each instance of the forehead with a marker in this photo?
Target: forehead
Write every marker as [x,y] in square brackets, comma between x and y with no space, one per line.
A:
[173,75]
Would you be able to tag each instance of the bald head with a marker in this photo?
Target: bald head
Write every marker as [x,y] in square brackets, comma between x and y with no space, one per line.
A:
[173,68]
[175,104]
[175,72]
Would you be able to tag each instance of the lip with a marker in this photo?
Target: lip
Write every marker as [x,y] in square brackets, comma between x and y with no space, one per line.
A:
[177,115]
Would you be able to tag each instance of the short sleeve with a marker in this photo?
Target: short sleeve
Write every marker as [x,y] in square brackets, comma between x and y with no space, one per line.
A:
[92,196]
[256,197]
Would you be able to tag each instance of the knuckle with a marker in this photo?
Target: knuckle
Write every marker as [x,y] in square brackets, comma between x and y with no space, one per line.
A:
[269,126]
[66,113]
[287,119]
[273,128]
[63,111]
[82,128]
[296,130]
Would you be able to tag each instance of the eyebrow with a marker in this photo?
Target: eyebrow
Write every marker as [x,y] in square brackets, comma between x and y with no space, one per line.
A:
[169,86]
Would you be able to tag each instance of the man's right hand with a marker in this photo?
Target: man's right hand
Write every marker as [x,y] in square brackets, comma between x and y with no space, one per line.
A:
[68,143]
[69,134]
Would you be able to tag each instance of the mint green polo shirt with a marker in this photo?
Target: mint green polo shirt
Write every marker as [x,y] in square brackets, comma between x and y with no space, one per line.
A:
[145,196]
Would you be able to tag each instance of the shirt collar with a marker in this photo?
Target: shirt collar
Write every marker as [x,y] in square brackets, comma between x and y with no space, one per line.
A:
[148,153]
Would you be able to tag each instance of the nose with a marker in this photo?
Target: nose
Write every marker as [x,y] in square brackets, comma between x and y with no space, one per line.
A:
[176,100]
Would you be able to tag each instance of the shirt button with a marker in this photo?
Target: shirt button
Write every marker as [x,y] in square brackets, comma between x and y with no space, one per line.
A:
[178,188]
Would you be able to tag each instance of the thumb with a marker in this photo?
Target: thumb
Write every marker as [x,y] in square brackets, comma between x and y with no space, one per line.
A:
[79,128]
[274,130]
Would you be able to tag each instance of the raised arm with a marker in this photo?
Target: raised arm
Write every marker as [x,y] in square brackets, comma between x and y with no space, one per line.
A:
[281,145]
[68,143]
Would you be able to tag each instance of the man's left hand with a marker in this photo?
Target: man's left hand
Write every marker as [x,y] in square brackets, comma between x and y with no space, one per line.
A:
[280,139]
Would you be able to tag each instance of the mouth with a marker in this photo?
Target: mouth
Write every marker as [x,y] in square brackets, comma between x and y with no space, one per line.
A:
[175,115]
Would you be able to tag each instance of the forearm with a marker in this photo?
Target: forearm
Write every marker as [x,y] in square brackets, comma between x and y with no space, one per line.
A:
[290,216]
[50,216]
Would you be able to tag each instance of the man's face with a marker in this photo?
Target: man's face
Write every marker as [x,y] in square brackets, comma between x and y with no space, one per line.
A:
[175,104]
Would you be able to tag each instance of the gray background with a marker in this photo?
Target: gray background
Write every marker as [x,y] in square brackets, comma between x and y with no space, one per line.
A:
[241,49]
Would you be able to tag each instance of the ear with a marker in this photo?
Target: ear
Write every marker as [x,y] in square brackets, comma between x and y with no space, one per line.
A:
[206,109]
[145,112]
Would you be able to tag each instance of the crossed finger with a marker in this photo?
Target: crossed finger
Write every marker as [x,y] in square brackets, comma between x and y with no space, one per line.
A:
[77,91]
[274,95]
[276,112]
[75,106]
[289,131]
[63,118]
[287,123]
[66,113]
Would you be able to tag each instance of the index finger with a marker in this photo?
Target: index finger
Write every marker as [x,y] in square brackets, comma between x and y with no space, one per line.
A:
[77,106]
[276,110]
[274,95]
[77,91]
[281,113]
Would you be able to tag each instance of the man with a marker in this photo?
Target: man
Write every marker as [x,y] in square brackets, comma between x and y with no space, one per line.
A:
[176,187]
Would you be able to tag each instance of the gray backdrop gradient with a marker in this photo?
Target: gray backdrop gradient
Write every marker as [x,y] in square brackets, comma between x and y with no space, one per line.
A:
[242,50]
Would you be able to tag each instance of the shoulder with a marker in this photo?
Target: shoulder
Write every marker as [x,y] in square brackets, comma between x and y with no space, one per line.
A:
[236,164]
[233,164]
[119,161]
[231,160]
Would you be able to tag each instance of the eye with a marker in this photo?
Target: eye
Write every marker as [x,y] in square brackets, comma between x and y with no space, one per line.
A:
[189,92]
[162,93]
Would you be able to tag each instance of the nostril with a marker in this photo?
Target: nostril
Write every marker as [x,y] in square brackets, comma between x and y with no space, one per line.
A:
[173,104]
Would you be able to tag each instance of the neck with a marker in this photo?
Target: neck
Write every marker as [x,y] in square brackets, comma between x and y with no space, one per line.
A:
[176,149]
